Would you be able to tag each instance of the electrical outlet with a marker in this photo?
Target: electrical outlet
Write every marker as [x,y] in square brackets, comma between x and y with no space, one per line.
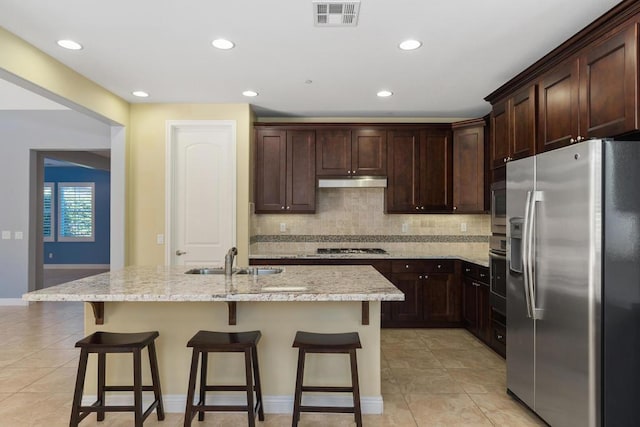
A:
[6,235]
[18,235]
[283,227]
[463,227]
[50,255]
[160,239]
[405,228]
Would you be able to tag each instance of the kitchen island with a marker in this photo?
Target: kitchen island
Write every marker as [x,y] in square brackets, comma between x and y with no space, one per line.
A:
[311,298]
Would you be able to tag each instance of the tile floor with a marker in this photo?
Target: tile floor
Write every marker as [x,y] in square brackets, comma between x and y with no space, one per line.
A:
[430,377]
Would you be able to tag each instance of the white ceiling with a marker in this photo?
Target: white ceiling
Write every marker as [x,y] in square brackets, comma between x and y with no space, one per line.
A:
[471,47]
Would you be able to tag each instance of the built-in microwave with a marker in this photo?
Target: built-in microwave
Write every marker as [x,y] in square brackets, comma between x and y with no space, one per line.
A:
[499,208]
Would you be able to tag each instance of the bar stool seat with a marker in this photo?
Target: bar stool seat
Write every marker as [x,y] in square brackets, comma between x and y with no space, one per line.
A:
[309,342]
[205,342]
[103,343]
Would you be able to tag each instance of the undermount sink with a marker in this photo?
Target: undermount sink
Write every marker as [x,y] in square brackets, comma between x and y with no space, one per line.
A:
[259,271]
[218,270]
[255,271]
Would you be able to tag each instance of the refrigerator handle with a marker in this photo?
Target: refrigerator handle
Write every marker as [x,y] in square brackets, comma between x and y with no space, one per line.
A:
[526,246]
[536,196]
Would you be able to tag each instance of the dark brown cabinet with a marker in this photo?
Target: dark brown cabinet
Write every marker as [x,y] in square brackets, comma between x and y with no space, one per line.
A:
[476,309]
[441,299]
[468,167]
[559,111]
[594,95]
[513,128]
[432,294]
[586,88]
[609,86]
[351,152]
[419,164]
[285,180]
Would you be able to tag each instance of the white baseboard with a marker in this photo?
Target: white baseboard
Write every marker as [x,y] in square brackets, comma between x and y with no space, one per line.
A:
[75,266]
[175,403]
[13,301]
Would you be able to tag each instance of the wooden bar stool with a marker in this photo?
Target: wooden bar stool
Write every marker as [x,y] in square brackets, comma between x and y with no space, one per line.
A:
[205,342]
[308,342]
[102,343]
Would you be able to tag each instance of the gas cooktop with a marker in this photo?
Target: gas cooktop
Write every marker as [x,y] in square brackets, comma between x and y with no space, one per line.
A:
[351,251]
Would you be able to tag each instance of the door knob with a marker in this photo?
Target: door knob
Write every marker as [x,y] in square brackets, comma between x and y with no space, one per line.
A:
[179,252]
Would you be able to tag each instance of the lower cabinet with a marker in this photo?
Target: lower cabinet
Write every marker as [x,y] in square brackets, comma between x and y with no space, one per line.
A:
[477,315]
[432,289]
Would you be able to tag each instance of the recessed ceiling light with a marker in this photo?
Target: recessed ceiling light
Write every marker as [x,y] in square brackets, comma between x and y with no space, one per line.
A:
[250,93]
[140,93]
[384,93]
[410,44]
[223,44]
[69,44]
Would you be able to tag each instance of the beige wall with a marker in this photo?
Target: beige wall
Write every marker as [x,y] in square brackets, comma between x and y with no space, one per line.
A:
[147,152]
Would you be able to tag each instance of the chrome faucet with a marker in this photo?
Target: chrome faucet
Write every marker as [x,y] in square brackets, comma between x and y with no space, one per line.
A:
[228,261]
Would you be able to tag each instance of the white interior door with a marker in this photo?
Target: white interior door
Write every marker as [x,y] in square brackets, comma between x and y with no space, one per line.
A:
[203,186]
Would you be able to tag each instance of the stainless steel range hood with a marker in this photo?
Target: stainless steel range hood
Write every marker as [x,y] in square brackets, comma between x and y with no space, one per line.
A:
[355,182]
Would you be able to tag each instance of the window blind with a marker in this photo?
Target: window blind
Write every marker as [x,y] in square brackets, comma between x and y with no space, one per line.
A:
[76,211]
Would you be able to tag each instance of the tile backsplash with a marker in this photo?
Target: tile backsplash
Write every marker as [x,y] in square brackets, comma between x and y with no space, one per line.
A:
[355,217]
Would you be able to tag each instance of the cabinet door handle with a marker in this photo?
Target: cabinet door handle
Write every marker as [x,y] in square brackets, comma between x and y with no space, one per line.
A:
[288,207]
[426,276]
[467,270]
[482,275]
[417,207]
[455,208]
[422,208]
[406,266]
[572,140]
[504,160]
[282,207]
[180,253]
[439,266]
[419,277]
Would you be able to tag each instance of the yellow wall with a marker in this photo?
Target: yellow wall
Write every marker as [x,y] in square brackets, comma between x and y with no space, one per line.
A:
[22,62]
[147,152]
[278,322]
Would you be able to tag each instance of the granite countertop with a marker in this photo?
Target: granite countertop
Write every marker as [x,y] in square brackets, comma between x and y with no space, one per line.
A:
[162,283]
[473,258]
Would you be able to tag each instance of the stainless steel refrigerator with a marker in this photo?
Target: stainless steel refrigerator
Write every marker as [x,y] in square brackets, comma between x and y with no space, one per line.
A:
[573,283]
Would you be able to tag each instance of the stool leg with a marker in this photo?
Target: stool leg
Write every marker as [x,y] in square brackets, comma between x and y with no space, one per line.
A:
[155,378]
[256,378]
[297,398]
[356,388]
[204,366]
[77,394]
[249,377]
[137,387]
[101,383]
[188,412]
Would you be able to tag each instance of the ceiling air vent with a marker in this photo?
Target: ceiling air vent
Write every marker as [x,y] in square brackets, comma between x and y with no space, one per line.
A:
[335,13]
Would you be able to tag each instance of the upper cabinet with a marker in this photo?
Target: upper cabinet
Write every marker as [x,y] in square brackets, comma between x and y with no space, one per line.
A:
[594,95]
[513,127]
[419,164]
[468,166]
[285,179]
[608,85]
[351,152]
[586,88]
